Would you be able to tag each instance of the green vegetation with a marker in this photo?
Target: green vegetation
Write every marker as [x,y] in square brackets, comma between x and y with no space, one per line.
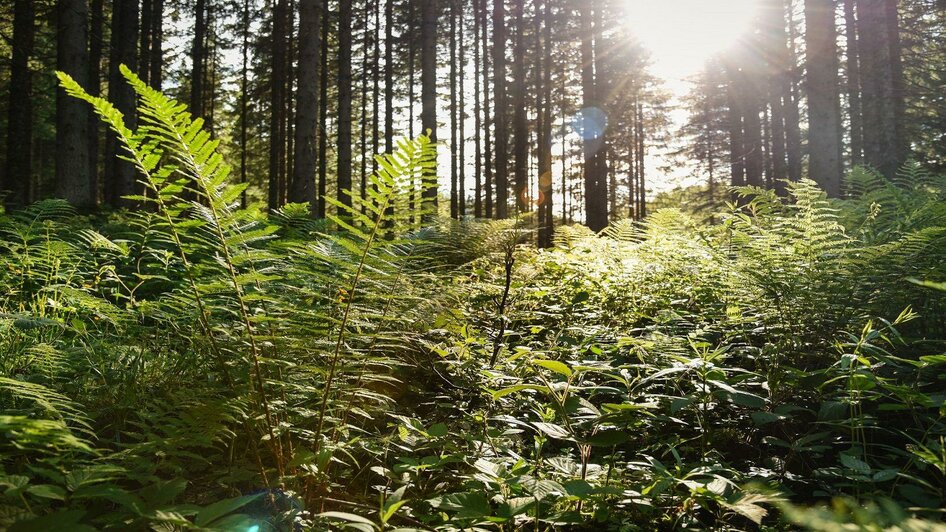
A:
[190,365]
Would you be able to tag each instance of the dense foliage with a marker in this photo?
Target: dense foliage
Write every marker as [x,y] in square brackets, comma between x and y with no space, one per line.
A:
[190,365]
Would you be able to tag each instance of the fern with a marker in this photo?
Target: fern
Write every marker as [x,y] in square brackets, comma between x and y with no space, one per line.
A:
[395,178]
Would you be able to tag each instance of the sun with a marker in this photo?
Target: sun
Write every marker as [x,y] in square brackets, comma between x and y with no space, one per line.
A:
[683,34]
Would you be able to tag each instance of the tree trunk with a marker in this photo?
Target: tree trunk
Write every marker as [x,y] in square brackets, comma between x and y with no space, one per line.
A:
[592,125]
[73,182]
[307,104]
[477,118]
[324,68]
[546,213]
[198,55]
[487,147]
[737,162]
[389,76]
[853,82]
[777,74]
[824,108]
[752,139]
[244,95]
[898,84]
[454,123]
[375,87]
[277,111]
[156,77]
[363,101]
[344,169]
[462,113]
[94,87]
[289,120]
[641,173]
[791,97]
[428,76]
[19,172]
[520,127]
[881,84]
[632,164]
[144,45]
[120,174]
[412,65]
[499,109]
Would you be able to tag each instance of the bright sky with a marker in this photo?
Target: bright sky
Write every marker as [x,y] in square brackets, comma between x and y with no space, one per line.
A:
[681,35]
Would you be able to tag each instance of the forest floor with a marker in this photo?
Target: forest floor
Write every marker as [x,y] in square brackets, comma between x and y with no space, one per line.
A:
[671,374]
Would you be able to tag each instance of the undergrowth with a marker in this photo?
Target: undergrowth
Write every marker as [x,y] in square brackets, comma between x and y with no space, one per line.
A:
[190,365]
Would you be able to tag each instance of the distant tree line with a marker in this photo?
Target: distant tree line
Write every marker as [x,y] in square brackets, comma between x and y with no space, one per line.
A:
[540,105]
[821,86]
[321,85]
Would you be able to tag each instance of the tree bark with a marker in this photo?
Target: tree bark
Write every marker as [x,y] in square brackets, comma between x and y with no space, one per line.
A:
[389,76]
[592,125]
[19,171]
[487,147]
[824,108]
[641,169]
[120,174]
[853,81]
[777,74]
[144,45]
[73,182]
[462,113]
[546,213]
[881,85]
[520,127]
[156,77]
[898,83]
[307,104]
[94,87]
[454,122]
[198,55]
[791,97]
[324,68]
[363,101]
[244,96]
[429,94]
[752,139]
[376,86]
[499,109]
[344,169]
[737,162]
[477,117]
[277,142]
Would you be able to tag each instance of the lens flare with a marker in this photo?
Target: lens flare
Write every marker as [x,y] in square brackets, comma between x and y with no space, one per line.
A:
[590,123]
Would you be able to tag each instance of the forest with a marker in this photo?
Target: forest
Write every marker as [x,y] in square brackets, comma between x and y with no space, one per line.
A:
[473,265]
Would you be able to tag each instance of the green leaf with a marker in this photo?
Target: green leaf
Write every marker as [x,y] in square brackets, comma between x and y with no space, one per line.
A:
[740,397]
[554,365]
[517,388]
[438,430]
[390,510]
[885,475]
[764,418]
[578,488]
[467,505]
[221,508]
[350,518]
[47,491]
[748,507]
[553,430]
[855,464]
